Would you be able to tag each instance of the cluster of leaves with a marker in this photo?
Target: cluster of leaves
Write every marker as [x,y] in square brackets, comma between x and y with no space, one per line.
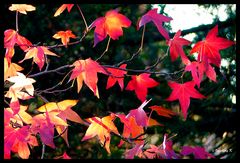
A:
[23,131]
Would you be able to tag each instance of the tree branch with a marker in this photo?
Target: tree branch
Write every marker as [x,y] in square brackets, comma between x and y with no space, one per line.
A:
[50,71]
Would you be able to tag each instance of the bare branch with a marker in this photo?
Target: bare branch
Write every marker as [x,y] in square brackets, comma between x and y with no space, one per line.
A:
[17,29]
[135,54]
[50,71]
[104,50]
[84,20]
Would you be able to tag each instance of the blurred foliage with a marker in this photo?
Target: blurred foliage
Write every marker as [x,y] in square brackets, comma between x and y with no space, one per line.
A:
[211,122]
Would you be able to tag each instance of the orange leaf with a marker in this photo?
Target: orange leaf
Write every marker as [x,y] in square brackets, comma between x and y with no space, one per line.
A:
[110,25]
[10,69]
[86,70]
[62,8]
[61,112]
[38,55]
[101,127]
[64,36]
[22,8]
[162,111]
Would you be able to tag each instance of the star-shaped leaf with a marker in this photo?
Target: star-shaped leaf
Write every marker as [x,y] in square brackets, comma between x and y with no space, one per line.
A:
[64,36]
[38,55]
[208,49]
[101,127]
[116,76]
[86,70]
[157,19]
[140,84]
[183,93]
[111,24]
[176,47]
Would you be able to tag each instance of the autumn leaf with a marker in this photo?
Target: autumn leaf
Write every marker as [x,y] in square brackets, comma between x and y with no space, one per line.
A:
[21,89]
[135,151]
[63,111]
[12,37]
[157,19]
[62,8]
[198,152]
[116,76]
[176,47]
[183,92]
[86,70]
[64,36]
[22,8]
[111,24]
[140,84]
[140,115]
[42,124]
[101,127]
[21,117]
[38,55]
[208,49]
[22,82]
[10,69]
[162,111]
[64,156]
[130,128]
[198,69]
[17,140]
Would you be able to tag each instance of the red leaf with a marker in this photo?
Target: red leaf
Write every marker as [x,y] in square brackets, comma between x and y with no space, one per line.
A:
[183,92]
[157,19]
[17,140]
[176,47]
[198,152]
[116,76]
[140,84]
[208,49]
[130,129]
[11,37]
[86,70]
[110,25]
[198,69]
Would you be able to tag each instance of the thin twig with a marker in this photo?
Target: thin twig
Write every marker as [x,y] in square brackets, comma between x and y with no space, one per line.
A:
[17,29]
[47,62]
[104,50]
[60,133]
[159,60]
[43,150]
[136,53]
[50,71]
[144,71]
[84,20]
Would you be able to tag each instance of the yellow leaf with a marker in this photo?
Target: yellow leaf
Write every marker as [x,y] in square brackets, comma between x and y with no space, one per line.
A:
[22,8]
